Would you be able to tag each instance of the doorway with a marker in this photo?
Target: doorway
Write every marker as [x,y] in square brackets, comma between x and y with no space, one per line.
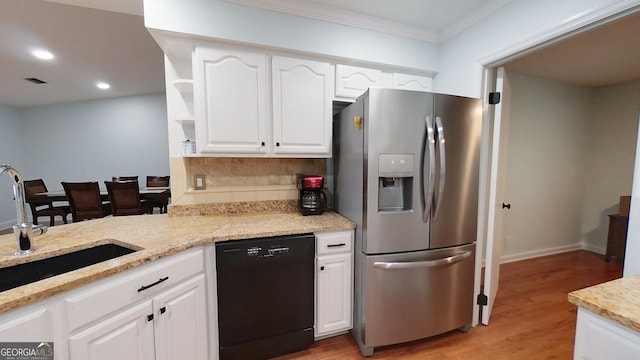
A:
[561,179]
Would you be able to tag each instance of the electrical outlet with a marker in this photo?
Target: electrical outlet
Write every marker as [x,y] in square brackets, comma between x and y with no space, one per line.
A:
[200,183]
[507,240]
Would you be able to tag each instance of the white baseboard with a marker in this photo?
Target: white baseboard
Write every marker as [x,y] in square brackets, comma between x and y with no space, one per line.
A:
[596,249]
[542,252]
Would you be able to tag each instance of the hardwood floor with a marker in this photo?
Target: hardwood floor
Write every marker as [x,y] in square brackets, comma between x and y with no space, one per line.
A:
[531,319]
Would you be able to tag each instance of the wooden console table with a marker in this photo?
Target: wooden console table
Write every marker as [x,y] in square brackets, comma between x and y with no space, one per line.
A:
[617,238]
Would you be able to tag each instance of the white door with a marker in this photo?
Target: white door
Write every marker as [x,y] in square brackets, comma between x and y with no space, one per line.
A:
[495,211]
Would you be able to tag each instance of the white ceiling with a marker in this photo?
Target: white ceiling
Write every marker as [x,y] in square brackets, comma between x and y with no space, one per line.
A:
[105,40]
[89,45]
[607,55]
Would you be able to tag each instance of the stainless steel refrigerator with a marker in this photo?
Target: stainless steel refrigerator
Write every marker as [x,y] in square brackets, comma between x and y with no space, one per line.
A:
[406,172]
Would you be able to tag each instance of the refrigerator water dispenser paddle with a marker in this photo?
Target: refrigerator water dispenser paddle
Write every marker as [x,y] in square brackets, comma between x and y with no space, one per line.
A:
[395,182]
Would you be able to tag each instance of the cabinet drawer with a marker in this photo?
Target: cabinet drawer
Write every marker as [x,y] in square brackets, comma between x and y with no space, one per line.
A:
[103,297]
[334,242]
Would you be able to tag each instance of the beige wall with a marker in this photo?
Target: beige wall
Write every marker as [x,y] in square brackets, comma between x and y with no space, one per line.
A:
[239,179]
[548,140]
[571,154]
[611,156]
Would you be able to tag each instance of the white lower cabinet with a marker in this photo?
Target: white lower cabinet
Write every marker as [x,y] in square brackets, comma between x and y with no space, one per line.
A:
[30,324]
[598,338]
[181,321]
[156,312]
[127,335]
[334,283]
[171,325]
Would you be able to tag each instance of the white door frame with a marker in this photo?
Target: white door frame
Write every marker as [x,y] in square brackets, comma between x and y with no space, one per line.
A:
[576,26]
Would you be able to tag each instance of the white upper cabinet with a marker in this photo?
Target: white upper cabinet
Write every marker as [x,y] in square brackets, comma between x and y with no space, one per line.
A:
[353,81]
[234,117]
[302,106]
[231,101]
[412,82]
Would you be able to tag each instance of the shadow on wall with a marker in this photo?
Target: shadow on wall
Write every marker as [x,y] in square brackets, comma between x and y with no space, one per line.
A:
[598,236]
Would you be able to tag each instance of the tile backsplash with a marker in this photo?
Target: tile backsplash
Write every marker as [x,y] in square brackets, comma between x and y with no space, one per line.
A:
[225,172]
[240,180]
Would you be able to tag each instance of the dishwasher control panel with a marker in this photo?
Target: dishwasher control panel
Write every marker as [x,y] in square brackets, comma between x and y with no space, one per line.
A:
[273,250]
[253,252]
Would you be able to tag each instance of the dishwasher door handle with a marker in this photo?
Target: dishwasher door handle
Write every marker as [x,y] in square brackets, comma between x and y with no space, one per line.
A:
[421,264]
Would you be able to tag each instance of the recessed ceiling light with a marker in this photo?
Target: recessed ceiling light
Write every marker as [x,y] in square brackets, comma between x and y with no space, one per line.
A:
[103,85]
[42,54]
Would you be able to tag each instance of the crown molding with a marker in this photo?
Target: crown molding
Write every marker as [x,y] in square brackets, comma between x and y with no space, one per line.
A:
[342,17]
[336,15]
[470,18]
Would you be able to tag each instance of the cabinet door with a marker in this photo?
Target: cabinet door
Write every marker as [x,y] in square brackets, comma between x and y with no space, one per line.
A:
[231,93]
[598,338]
[127,335]
[353,81]
[412,82]
[31,326]
[334,297]
[302,107]
[181,321]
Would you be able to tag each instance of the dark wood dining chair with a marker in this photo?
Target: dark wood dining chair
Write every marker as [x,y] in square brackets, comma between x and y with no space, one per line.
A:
[124,178]
[160,201]
[39,207]
[125,198]
[85,201]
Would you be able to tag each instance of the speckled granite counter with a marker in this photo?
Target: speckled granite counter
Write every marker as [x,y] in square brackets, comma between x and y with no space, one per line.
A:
[154,236]
[617,300]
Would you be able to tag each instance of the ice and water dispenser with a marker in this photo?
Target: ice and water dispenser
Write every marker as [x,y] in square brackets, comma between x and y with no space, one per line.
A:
[395,182]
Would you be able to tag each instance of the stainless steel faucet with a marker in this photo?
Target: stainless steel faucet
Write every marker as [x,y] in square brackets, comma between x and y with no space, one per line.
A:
[23,230]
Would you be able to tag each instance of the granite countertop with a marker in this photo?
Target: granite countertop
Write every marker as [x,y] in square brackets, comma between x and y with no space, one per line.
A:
[616,300]
[154,236]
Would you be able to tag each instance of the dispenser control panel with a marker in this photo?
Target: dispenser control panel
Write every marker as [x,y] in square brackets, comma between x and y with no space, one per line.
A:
[395,165]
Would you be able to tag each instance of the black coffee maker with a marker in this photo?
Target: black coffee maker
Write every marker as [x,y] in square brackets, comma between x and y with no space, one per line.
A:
[312,198]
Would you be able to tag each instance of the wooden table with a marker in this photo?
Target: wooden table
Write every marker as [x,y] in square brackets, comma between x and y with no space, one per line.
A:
[145,193]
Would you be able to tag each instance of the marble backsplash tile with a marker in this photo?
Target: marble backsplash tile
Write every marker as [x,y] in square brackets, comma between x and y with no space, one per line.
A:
[225,172]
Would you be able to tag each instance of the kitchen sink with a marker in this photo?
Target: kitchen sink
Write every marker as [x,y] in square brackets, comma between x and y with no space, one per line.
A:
[22,274]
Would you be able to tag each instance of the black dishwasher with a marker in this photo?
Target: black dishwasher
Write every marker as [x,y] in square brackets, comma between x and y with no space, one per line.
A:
[265,296]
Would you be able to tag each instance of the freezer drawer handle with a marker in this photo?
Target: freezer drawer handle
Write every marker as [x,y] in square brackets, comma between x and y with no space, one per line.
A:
[421,264]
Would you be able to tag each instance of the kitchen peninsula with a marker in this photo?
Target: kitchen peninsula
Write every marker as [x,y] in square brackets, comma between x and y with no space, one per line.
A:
[608,324]
[76,309]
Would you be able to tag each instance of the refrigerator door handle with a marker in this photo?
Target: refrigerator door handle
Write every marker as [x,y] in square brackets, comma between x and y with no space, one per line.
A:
[421,264]
[431,147]
[443,166]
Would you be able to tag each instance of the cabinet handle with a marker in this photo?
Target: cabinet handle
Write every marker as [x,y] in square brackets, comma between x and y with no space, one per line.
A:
[145,287]
[163,310]
[150,317]
[262,143]
[336,245]
[321,268]
[277,144]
